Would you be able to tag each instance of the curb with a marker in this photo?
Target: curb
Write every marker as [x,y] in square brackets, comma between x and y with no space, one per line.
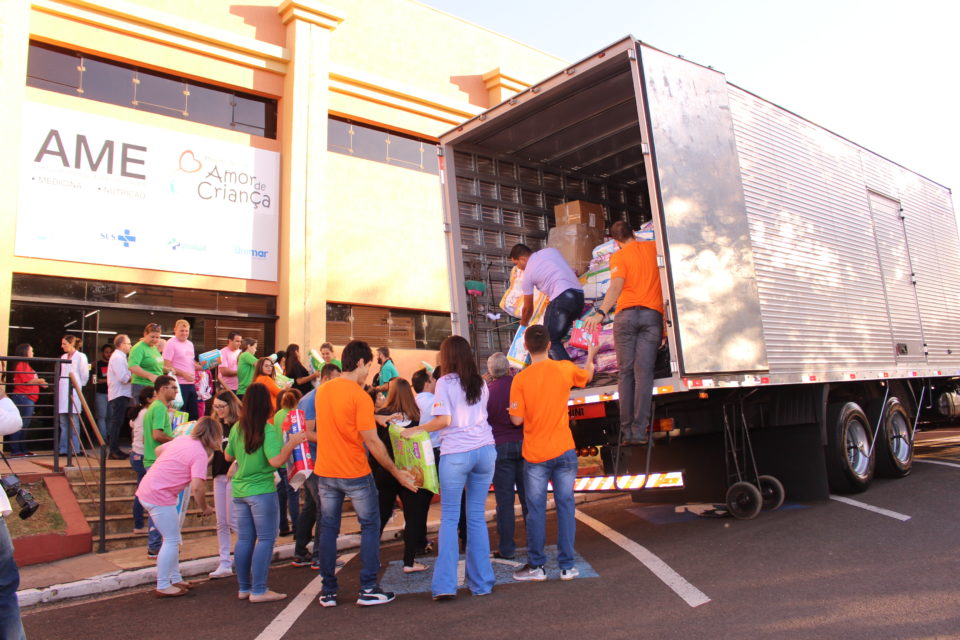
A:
[131,578]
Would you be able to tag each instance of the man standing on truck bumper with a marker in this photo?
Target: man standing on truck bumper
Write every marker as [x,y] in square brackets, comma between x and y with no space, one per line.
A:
[549,272]
[538,401]
[637,327]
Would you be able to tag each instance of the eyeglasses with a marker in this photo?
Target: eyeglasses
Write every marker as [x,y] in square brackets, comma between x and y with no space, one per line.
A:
[219,406]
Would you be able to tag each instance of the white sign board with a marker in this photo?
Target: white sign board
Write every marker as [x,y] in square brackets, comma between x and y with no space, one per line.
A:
[105,191]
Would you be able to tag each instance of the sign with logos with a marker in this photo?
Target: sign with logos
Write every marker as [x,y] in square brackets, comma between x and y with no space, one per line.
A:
[107,191]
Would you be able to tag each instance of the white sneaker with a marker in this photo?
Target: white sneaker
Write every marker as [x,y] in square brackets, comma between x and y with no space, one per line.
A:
[221,572]
[569,574]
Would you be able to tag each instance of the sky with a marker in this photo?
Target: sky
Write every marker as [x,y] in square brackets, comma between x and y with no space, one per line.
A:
[883,74]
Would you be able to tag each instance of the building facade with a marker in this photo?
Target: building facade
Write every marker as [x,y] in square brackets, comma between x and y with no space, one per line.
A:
[260,167]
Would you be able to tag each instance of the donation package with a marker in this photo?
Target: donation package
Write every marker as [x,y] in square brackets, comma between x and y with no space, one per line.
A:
[182,425]
[415,456]
[300,464]
[209,359]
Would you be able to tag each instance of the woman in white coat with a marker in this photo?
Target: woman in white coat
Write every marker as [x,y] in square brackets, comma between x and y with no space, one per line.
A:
[68,399]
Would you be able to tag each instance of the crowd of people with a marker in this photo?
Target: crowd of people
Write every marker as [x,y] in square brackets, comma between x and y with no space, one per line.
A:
[511,431]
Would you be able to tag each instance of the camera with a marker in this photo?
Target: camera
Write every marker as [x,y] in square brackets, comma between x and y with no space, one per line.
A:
[12,487]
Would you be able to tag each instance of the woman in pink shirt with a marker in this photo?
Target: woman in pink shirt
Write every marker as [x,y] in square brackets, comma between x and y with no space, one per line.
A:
[181,462]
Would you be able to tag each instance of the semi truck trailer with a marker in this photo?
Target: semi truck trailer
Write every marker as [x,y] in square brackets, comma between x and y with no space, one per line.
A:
[811,286]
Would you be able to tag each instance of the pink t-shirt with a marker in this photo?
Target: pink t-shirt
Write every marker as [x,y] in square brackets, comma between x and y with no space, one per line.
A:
[181,354]
[182,459]
[228,360]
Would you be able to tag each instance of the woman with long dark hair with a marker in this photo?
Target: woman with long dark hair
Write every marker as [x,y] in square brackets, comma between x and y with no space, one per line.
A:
[416,506]
[25,393]
[257,446]
[293,368]
[467,459]
[265,373]
[226,411]
[135,415]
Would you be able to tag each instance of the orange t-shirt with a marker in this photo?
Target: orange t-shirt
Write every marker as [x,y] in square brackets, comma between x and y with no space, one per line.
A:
[539,395]
[636,263]
[271,386]
[343,411]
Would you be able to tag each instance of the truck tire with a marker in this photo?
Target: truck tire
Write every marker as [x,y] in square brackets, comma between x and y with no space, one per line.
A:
[849,467]
[895,441]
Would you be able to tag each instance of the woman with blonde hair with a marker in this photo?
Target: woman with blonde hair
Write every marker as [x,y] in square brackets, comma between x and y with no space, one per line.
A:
[180,462]
[416,506]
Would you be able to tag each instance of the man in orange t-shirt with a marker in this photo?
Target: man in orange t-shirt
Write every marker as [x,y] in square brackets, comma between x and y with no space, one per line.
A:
[345,422]
[637,327]
[538,401]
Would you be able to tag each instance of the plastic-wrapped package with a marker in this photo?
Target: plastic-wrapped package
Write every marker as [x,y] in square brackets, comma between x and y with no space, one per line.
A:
[606,362]
[517,354]
[415,455]
[300,464]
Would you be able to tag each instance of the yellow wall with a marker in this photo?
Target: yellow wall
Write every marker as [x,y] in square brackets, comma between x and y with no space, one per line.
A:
[385,241]
[394,63]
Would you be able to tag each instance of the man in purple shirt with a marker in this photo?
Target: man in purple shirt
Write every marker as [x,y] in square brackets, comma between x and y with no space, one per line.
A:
[549,272]
[508,472]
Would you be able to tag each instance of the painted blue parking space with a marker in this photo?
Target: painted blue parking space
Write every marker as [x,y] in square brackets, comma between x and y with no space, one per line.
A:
[394,579]
[660,514]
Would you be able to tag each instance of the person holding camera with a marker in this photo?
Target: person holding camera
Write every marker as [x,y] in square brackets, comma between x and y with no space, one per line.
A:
[180,462]
[11,627]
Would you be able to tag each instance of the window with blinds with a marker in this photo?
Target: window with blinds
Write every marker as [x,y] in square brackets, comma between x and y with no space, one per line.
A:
[383,327]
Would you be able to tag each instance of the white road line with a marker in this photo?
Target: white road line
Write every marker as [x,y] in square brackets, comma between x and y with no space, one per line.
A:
[690,594]
[282,623]
[869,507]
[946,464]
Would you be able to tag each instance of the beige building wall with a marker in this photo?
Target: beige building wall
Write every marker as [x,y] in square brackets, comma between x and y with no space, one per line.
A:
[352,231]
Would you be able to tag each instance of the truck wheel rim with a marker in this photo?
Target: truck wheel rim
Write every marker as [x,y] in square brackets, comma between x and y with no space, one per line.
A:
[900,438]
[858,444]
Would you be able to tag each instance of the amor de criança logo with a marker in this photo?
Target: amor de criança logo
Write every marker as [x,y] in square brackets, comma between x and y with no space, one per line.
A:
[217,181]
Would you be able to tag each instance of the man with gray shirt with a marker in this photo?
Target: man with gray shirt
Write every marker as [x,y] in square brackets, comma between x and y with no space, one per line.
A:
[549,272]
[118,393]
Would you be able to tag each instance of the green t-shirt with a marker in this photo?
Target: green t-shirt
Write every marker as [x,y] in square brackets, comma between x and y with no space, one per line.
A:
[156,417]
[254,474]
[245,366]
[147,358]
[388,372]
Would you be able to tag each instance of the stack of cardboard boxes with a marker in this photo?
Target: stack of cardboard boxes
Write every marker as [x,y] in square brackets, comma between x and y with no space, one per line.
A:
[580,227]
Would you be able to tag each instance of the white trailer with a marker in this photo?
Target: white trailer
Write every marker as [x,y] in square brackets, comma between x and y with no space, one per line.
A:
[812,287]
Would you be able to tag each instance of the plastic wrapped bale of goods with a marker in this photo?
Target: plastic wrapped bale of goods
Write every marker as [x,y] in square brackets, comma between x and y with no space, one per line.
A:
[300,464]
[595,282]
[182,426]
[415,456]
[582,338]
[179,421]
[512,299]
[645,234]
[575,242]
[281,380]
[517,354]
[209,359]
[606,362]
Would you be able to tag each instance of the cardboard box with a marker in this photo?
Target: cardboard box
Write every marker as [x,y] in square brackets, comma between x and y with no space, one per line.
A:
[580,212]
[575,242]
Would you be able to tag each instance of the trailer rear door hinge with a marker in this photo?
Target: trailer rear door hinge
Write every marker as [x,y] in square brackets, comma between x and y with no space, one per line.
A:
[446,227]
[631,54]
[660,262]
[645,148]
[673,367]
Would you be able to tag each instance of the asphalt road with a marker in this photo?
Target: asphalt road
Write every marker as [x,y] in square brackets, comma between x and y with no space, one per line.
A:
[815,570]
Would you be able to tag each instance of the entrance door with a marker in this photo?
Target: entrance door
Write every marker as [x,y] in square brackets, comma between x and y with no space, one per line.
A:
[905,327]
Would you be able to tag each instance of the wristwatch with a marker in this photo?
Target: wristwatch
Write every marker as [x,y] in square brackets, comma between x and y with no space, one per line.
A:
[602,312]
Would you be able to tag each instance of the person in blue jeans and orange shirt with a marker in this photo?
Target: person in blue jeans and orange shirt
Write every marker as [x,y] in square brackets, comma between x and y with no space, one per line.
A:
[538,401]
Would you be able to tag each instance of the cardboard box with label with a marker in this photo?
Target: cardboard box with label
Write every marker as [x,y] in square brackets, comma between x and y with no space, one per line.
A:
[580,212]
[575,242]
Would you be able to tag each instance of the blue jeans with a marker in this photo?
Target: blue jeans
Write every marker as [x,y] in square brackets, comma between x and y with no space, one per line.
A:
[65,420]
[559,317]
[100,412]
[116,413]
[508,474]
[473,471]
[11,628]
[136,461]
[637,333]
[363,495]
[256,518]
[562,472]
[289,501]
[167,521]
[15,440]
[189,394]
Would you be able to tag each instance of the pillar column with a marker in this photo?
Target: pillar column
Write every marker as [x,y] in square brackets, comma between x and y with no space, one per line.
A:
[14,48]
[302,301]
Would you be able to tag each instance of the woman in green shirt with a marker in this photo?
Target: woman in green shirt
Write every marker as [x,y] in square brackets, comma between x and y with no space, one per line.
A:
[246,364]
[257,446]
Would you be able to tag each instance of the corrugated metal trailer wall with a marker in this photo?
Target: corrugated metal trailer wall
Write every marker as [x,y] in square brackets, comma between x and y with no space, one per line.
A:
[834,259]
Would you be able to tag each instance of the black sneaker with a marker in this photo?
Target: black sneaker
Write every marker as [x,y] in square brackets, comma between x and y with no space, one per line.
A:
[374,596]
[300,562]
[327,599]
[500,556]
